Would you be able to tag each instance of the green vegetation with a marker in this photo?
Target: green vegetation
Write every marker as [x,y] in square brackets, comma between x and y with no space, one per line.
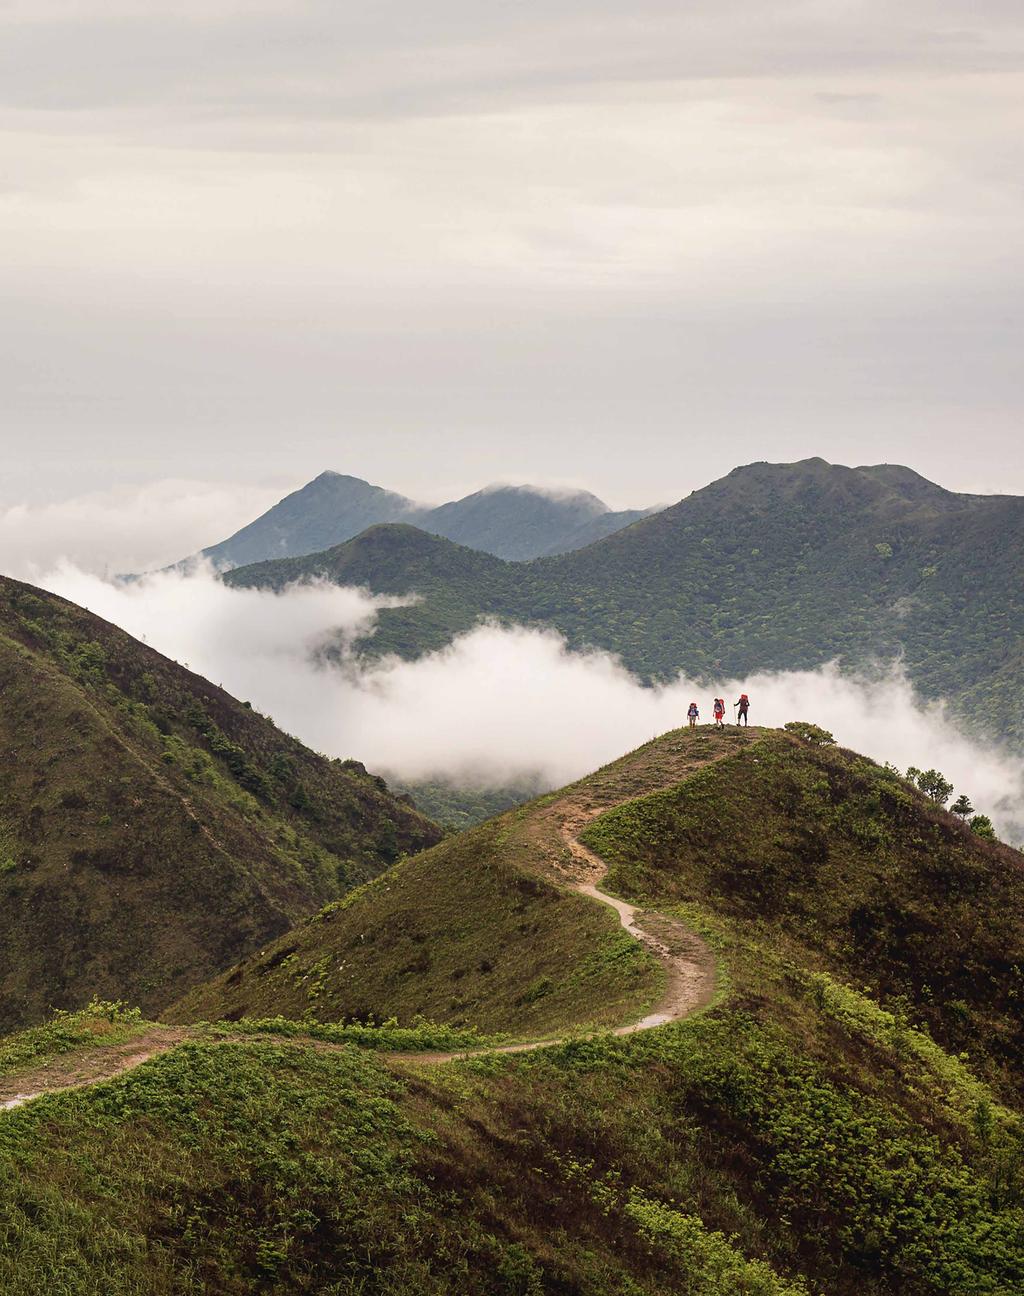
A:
[839,861]
[783,566]
[153,829]
[97,1024]
[844,1120]
[455,807]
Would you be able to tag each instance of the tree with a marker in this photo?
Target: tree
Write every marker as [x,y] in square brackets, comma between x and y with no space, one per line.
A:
[982,825]
[935,786]
[962,806]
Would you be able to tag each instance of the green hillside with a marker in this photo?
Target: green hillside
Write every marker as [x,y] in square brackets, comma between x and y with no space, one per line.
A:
[777,566]
[480,931]
[843,1120]
[152,829]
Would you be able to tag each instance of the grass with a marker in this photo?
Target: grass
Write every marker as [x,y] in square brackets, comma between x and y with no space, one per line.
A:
[806,1134]
[843,865]
[153,829]
[98,1025]
[479,931]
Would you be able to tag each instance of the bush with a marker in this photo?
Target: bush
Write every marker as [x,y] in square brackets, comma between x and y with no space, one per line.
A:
[811,733]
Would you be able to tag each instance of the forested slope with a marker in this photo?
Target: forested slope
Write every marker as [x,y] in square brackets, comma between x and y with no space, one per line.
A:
[152,828]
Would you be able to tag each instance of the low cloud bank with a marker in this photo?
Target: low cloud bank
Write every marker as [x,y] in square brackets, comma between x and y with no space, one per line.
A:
[125,528]
[501,705]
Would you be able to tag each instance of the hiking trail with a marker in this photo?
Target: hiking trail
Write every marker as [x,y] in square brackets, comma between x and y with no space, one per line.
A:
[688,962]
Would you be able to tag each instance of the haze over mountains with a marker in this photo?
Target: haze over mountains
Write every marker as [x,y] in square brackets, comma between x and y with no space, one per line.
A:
[515,522]
[776,566]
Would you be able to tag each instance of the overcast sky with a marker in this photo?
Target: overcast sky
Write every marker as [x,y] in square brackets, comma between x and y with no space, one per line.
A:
[437,243]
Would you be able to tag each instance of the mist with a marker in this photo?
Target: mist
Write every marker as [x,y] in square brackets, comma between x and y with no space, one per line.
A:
[501,705]
[125,528]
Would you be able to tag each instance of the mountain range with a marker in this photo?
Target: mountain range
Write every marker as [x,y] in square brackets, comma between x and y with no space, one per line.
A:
[774,567]
[515,522]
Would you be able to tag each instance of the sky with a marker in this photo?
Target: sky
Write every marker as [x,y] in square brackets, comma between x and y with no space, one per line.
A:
[440,244]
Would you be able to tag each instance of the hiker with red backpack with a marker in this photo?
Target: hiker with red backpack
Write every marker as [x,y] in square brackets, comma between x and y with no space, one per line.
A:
[743,706]
[719,713]
[693,715]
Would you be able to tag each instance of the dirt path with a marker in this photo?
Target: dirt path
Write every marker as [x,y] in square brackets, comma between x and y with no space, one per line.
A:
[90,1066]
[689,963]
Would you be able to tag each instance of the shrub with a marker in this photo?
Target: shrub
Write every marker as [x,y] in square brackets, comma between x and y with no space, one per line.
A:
[811,733]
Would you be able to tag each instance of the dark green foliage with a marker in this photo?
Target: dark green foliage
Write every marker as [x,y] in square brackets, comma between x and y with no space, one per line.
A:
[782,566]
[456,808]
[797,1138]
[810,733]
[935,786]
[981,826]
[962,806]
[153,829]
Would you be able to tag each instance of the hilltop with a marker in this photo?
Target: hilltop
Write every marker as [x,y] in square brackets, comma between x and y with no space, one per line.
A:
[774,567]
[516,522]
[842,1118]
[152,828]
[830,857]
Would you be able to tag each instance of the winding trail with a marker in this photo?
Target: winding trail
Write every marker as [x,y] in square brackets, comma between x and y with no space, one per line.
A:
[687,959]
[688,962]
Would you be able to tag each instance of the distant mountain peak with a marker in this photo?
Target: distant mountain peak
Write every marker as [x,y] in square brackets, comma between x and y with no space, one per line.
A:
[509,520]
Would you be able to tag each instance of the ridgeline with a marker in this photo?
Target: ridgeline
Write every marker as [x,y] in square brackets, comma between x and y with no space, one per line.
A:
[842,1118]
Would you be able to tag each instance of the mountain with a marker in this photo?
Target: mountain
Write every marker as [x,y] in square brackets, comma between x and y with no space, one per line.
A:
[522,522]
[152,828]
[325,511]
[826,1097]
[517,522]
[776,566]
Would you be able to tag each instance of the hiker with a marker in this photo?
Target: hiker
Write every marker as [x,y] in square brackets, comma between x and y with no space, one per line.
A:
[744,706]
[719,711]
[693,714]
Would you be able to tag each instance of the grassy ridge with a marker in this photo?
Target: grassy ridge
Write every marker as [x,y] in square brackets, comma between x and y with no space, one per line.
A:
[816,1132]
[153,829]
[844,864]
[462,934]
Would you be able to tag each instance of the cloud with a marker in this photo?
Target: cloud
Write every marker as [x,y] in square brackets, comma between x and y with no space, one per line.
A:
[501,705]
[125,528]
[510,236]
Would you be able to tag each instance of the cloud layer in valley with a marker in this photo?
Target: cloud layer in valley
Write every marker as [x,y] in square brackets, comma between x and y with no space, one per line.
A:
[499,705]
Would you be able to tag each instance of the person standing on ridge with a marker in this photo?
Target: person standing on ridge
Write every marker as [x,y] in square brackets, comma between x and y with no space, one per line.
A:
[693,715]
[719,712]
[744,706]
